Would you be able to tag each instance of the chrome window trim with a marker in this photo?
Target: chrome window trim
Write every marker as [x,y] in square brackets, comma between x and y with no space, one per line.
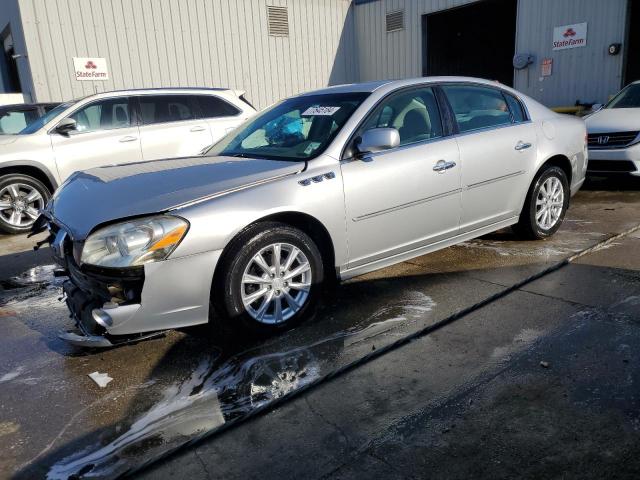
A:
[491,127]
[402,206]
[495,179]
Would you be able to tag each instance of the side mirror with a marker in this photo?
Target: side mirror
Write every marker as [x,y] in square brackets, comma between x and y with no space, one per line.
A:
[378,139]
[596,106]
[66,126]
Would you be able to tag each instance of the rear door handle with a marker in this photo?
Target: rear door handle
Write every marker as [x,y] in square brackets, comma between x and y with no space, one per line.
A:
[441,166]
[197,128]
[522,145]
[128,138]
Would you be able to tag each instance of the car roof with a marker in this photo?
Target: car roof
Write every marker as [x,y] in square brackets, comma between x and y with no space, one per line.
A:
[161,90]
[349,88]
[16,106]
[370,87]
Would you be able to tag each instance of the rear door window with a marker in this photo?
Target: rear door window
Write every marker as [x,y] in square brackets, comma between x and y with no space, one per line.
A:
[477,107]
[214,107]
[516,108]
[166,108]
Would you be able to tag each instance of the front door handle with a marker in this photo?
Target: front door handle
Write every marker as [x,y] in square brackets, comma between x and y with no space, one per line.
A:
[128,138]
[197,128]
[522,145]
[441,166]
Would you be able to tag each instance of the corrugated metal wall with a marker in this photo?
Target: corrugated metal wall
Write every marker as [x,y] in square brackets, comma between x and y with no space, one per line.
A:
[587,73]
[162,43]
[398,54]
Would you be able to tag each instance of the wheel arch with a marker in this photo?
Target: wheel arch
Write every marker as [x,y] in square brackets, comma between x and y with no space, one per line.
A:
[304,222]
[560,161]
[31,169]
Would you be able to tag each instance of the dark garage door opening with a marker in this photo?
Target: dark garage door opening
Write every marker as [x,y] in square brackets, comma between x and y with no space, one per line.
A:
[477,40]
[632,67]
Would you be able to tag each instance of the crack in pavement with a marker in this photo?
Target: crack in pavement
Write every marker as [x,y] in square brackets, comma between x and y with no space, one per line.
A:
[329,422]
[204,465]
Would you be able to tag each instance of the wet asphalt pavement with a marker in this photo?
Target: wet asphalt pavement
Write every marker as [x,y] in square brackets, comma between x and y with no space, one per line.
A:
[467,399]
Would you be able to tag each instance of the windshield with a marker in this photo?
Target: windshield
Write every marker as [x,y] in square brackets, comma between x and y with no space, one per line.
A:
[43,120]
[299,128]
[628,97]
[13,121]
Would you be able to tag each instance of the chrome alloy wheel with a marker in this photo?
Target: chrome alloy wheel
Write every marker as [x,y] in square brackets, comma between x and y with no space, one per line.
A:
[20,204]
[276,283]
[549,203]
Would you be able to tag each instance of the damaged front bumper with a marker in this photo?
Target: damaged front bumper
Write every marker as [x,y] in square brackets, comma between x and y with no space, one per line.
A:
[93,319]
[112,307]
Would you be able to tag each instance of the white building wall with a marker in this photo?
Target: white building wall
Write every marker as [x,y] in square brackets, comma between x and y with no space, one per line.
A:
[587,73]
[209,43]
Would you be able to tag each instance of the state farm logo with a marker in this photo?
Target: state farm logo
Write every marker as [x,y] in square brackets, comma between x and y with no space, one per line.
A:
[92,68]
[570,36]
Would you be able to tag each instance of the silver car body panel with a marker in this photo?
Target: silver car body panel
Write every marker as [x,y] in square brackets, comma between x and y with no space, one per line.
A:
[380,210]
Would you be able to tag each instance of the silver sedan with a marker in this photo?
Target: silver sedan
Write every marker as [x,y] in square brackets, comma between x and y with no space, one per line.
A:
[335,182]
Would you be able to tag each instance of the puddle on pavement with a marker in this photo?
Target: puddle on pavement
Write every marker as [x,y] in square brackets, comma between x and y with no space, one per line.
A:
[220,390]
[226,381]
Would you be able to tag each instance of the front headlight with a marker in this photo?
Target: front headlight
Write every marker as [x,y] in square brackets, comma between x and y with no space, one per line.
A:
[134,242]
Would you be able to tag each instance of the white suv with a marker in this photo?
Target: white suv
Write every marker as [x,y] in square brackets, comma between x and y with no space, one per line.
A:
[105,129]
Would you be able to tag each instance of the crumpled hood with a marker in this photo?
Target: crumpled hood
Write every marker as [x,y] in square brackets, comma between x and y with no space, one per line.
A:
[105,194]
[610,120]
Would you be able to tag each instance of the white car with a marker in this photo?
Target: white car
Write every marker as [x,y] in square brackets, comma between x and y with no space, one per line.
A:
[614,134]
[105,129]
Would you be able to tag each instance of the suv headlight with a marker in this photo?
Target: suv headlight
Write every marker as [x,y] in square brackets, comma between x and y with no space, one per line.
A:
[135,242]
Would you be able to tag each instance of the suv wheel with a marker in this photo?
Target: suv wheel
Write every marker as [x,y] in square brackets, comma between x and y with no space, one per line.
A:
[272,278]
[546,205]
[21,199]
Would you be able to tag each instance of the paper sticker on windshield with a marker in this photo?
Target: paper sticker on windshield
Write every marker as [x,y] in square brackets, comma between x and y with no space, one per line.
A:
[320,111]
[311,147]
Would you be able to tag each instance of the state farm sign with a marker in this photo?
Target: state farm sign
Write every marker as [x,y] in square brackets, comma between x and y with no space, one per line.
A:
[570,36]
[90,68]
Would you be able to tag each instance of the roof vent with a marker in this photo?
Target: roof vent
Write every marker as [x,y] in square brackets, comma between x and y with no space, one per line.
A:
[278,21]
[395,21]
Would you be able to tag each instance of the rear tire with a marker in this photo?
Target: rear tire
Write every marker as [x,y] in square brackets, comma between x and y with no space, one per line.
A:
[545,206]
[259,294]
[21,197]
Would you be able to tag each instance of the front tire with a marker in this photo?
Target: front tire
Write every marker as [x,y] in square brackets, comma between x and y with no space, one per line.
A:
[545,206]
[21,199]
[271,279]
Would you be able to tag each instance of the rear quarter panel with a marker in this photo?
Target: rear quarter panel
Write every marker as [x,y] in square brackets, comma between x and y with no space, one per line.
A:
[563,135]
